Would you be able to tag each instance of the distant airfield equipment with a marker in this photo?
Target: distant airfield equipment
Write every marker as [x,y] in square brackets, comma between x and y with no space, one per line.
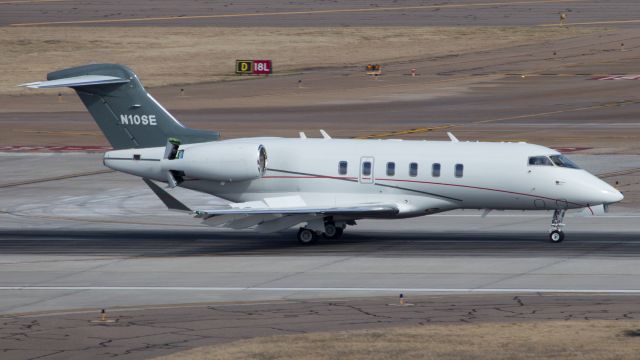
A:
[254,67]
[374,69]
[103,319]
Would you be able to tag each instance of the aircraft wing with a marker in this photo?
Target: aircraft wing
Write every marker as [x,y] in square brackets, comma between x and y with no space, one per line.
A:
[271,214]
[271,219]
[361,210]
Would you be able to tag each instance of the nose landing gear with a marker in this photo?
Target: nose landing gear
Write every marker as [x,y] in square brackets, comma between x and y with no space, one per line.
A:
[556,234]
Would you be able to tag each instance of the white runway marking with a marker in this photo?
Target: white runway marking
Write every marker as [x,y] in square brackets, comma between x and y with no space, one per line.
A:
[323,289]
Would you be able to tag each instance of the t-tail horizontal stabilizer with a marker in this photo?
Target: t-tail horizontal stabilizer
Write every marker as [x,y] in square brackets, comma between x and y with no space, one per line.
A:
[169,201]
[77,81]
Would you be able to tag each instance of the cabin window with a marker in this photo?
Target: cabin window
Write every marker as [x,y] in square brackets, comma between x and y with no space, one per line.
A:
[342,168]
[459,170]
[435,170]
[413,169]
[540,160]
[391,169]
[563,161]
[366,168]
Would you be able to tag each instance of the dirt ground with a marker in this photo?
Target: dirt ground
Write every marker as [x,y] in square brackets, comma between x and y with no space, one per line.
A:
[537,340]
[187,55]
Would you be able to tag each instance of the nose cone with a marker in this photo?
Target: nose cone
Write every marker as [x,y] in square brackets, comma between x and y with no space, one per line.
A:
[589,189]
[607,193]
[611,195]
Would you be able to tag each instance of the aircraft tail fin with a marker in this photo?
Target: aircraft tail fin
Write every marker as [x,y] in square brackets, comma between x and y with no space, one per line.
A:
[126,113]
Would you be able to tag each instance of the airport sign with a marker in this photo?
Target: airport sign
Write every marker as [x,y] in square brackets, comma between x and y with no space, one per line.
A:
[254,67]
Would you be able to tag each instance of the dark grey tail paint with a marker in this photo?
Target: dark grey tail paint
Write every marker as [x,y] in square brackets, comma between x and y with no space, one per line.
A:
[127,115]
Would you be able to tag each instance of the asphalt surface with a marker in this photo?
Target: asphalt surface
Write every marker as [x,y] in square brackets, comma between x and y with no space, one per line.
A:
[315,13]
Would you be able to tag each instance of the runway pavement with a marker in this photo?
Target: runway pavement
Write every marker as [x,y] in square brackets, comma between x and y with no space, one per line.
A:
[94,240]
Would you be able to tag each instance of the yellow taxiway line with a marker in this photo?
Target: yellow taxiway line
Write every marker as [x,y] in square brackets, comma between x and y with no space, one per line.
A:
[604,22]
[17,2]
[286,13]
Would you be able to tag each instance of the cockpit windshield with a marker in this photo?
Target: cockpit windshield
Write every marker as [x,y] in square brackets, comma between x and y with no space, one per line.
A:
[563,161]
[557,160]
[540,160]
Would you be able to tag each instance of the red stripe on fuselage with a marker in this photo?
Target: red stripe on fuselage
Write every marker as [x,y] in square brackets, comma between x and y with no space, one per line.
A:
[422,182]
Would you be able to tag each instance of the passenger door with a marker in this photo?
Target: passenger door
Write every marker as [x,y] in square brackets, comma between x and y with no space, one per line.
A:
[366,170]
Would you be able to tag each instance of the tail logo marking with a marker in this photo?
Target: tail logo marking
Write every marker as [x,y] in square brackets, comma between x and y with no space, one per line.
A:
[138,120]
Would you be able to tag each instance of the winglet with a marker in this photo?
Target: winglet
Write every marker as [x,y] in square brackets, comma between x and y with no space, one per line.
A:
[169,201]
[303,135]
[324,134]
[452,137]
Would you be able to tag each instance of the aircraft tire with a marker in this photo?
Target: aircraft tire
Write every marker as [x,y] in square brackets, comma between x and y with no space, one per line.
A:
[307,237]
[337,234]
[556,236]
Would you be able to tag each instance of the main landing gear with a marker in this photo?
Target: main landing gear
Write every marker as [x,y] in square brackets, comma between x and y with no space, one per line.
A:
[556,234]
[307,236]
[327,229]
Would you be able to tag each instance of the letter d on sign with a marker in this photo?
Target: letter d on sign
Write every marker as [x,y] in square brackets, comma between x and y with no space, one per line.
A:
[244,67]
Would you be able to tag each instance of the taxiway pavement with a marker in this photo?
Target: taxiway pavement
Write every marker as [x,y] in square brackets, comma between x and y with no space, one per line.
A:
[316,13]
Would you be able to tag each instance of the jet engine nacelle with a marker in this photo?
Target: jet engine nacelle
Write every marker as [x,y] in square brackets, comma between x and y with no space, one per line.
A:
[220,161]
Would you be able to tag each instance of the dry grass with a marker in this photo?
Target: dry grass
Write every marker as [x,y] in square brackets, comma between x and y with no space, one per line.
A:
[182,55]
[530,340]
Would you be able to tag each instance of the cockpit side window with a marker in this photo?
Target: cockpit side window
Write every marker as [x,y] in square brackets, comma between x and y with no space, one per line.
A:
[563,161]
[540,160]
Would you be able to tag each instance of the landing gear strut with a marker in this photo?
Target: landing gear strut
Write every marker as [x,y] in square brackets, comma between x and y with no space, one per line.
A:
[556,234]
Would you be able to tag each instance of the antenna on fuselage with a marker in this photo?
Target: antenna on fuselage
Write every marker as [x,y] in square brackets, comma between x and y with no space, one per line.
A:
[452,137]
[324,134]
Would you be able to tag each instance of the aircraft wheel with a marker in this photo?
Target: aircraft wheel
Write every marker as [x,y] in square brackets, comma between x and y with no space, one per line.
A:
[332,232]
[306,236]
[556,236]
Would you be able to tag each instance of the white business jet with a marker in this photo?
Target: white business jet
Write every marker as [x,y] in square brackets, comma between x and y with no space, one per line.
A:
[322,184]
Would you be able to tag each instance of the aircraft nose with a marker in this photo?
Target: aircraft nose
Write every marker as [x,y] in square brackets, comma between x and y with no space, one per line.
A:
[609,194]
[612,196]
